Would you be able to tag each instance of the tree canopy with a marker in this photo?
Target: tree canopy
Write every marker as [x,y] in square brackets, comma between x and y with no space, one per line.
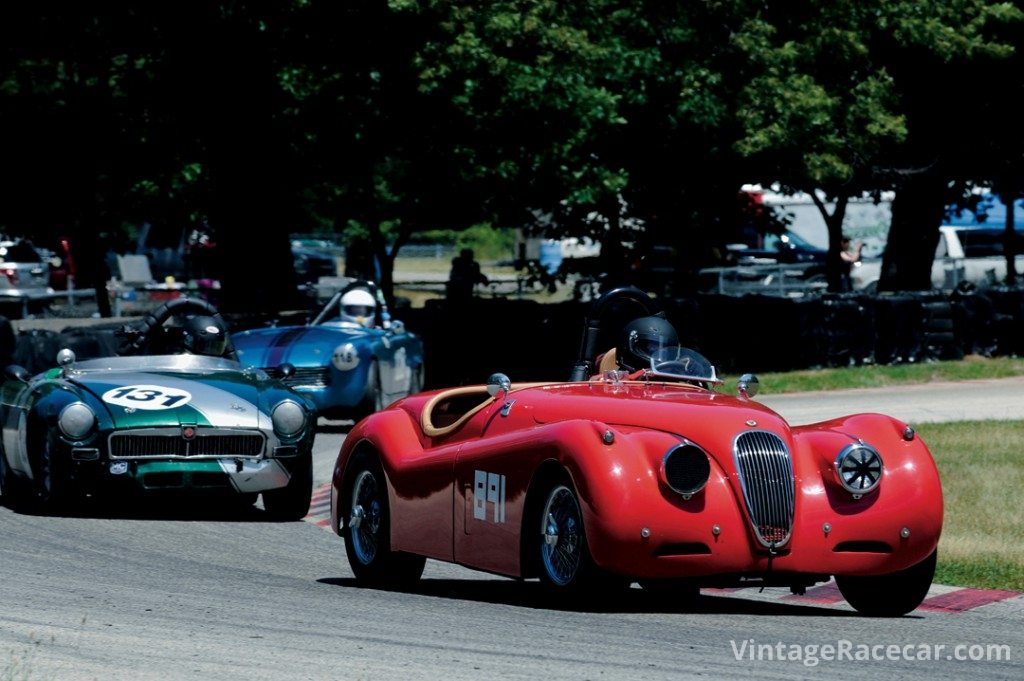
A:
[389,118]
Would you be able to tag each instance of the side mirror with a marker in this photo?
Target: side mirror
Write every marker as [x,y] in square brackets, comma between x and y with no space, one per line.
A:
[498,383]
[748,385]
[65,359]
[287,370]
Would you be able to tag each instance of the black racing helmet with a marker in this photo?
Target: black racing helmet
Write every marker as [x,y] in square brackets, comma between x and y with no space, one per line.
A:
[641,338]
[203,335]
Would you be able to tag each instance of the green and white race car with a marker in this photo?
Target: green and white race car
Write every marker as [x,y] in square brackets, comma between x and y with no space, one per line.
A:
[154,419]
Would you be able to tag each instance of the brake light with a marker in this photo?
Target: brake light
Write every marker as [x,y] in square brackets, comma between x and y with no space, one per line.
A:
[12,275]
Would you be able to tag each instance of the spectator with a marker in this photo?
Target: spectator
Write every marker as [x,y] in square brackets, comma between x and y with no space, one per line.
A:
[850,256]
[92,270]
[464,277]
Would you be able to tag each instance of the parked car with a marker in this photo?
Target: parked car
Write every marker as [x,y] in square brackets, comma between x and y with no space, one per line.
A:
[311,264]
[648,475]
[348,364]
[973,255]
[788,247]
[175,411]
[24,272]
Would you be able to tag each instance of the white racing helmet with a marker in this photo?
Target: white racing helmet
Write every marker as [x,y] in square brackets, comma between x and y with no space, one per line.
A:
[358,307]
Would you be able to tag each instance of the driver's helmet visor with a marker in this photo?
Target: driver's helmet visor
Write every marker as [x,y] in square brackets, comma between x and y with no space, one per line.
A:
[646,346]
[357,310]
[681,362]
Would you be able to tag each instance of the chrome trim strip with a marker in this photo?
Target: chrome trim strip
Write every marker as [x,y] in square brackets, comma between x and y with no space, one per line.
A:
[169,443]
[764,468]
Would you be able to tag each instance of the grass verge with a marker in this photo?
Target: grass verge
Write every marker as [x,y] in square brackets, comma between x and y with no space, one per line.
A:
[981,464]
[972,367]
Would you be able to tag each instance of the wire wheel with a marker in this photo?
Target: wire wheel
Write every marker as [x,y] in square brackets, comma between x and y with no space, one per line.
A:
[368,529]
[563,542]
[365,517]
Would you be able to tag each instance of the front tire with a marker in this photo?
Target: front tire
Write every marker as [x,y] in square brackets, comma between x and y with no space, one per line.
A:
[53,487]
[560,544]
[13,488]
[291,502]
[892,595]
[367,528]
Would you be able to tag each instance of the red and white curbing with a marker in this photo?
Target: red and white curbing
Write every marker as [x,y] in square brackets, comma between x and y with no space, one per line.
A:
[941,598]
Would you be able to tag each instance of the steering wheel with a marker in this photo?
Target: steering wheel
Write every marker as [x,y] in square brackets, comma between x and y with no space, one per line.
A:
[136,337]
[584,366]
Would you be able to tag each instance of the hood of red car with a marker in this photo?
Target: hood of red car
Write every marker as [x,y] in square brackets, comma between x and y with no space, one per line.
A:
[709,419]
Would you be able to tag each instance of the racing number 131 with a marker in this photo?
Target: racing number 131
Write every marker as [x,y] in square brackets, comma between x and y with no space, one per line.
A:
[489,488]
[138,395]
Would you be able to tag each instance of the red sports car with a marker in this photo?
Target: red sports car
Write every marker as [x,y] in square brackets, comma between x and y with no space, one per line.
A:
[644,474]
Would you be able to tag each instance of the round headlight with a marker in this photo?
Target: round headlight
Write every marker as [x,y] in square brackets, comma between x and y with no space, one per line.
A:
[859,468]
[289,418]
[76,420]
[345,357]
[686,469]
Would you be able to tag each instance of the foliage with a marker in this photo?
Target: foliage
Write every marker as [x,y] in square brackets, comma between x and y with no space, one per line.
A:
[486,242]
[388,119]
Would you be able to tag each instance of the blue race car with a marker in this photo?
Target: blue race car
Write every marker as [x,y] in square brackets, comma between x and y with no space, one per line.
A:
[351,360]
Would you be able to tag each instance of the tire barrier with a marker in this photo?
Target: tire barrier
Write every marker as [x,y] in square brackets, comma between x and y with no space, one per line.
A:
[847,325]
[533,342]
[973,320]
[8,342]
[465,342]
[1007,319]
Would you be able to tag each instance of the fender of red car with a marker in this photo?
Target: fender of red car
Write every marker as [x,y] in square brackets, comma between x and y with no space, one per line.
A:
[908,499]
[419,481]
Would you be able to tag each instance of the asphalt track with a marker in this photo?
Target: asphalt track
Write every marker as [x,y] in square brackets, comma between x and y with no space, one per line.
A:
[165,592]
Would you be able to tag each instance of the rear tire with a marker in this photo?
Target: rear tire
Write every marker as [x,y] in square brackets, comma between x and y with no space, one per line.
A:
[367,528]
[291,502]
[416,380]
[892,595]
[372,398]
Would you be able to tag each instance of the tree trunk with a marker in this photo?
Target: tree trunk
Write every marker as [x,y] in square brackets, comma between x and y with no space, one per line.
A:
[836,269]
[1010,239]
[917,213]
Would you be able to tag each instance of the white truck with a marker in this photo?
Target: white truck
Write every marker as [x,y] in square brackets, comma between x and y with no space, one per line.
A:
[968,254]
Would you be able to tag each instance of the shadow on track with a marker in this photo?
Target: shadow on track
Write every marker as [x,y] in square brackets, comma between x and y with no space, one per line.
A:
[156,506]
[531,594]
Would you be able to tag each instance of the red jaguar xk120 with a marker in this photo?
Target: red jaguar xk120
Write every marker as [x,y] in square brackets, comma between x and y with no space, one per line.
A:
[639,471]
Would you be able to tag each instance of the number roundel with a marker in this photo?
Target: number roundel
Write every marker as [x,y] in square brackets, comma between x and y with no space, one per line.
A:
[150,397]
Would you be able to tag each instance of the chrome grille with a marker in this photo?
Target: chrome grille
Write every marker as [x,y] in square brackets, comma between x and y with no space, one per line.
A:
[170,443]
[766,476]
[305,377]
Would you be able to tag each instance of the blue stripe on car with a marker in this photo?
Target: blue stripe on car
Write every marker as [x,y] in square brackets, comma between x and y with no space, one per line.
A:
[281,345]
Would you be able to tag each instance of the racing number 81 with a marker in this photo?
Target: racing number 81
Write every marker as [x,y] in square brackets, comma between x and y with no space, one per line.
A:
[488,488]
